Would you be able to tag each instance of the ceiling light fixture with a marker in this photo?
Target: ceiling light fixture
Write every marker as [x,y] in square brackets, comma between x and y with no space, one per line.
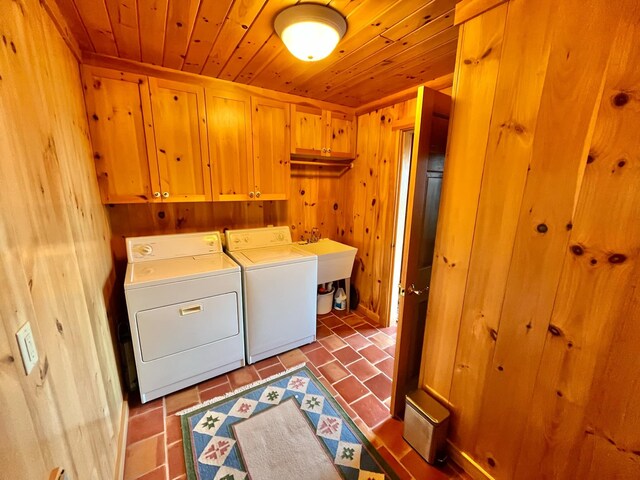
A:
[309,31]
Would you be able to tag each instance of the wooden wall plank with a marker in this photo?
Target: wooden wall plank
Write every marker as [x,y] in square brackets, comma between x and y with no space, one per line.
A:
[240,17]
[259,32]
[269,51]
[124,22]
[378,52]
[573,85]
[285,66]
[211,16]
[474,90]
[425,53]
[591,314]
[387,82]
[96,20]
[181,15]
[152,17]
[507,161]
[55,265]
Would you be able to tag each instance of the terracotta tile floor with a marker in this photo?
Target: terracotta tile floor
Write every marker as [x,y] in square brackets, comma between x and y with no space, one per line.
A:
[352,358]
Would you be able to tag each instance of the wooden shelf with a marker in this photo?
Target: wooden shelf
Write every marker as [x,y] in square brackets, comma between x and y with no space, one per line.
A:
[333,164]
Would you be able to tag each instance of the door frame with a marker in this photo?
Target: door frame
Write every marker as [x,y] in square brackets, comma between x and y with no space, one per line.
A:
[429,104]
[401,129]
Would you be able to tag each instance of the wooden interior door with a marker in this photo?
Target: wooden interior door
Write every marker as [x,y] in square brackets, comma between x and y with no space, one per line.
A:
[230,145]
[425,182]
[307,130]
[182,149]
[271,148]
[341,137]
[119,112]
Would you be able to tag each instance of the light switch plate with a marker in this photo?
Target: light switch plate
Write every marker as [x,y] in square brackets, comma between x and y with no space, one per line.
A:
[27,347]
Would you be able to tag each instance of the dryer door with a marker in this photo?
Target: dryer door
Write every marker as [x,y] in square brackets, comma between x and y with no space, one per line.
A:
[175,328]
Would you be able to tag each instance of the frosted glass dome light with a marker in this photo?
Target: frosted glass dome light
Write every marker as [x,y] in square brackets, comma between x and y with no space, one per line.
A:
[310,32]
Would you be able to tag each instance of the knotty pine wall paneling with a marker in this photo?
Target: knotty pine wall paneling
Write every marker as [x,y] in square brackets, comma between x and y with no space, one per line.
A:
[315,200]
[370,190]
[56,267]
[541,375]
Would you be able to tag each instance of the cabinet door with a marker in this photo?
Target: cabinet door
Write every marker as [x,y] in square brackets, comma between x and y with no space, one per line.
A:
[121,129]
[230,148]
[271,148]
[181,140]
[341,137]
[307,130]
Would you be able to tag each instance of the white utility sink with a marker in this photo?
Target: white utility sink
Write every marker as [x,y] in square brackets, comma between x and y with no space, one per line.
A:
[335,259]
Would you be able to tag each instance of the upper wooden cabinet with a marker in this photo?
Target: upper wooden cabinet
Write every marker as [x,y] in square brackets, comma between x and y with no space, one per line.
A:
[161,140]
[307,131]
[341,135]
[149,137]
[271,142]
[119,113]
[180,126]
[230,144]
[322,133]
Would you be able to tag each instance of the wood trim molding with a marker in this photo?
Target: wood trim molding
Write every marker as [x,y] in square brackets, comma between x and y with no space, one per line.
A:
[468,9]
[465,462]
[51,7]
[368,313]
[403,124]
[140,68]
[121,447]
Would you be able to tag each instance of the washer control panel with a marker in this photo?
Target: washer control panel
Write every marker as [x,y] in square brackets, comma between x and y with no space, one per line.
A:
[257,237]
[157,247]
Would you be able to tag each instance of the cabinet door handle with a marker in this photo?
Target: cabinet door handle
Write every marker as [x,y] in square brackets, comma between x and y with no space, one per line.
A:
[328,150]
[250,194]
[257,194]
[190,310]
[156,194]
[324,150]
[165,194]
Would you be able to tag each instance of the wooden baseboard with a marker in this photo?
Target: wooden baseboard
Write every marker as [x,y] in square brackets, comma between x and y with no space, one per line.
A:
[122,440]
[467,463]
[368,313]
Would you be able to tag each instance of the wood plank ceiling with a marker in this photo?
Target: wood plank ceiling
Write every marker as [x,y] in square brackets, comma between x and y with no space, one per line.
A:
[390,45]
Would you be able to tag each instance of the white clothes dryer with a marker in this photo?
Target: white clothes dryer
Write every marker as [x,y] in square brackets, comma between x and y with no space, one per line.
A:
[184,298]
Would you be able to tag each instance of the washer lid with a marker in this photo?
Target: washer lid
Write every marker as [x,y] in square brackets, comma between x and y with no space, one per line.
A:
[157,272]
[272,256]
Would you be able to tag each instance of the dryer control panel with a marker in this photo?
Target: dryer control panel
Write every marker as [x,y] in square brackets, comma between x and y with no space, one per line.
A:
[159,247]
[257,238]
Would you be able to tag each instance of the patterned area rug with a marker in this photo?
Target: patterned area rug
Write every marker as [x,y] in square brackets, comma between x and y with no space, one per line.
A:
[285,427]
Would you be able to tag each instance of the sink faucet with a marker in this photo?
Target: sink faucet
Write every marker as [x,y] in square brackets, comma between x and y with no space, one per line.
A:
[315,235]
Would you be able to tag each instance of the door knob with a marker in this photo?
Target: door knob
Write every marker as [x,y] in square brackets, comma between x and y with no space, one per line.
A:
[250,194]
[412,290]
[328,150]
[165,194]
[257,194]
[156,194]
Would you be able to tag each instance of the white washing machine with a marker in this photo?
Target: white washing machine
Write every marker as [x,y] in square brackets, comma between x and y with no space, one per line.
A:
[279,281]
[184,298]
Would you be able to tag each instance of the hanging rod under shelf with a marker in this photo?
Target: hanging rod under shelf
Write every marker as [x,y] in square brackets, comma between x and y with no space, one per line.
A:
[310,163]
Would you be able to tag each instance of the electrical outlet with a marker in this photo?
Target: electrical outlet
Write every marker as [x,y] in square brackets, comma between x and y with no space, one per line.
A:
[27,347]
